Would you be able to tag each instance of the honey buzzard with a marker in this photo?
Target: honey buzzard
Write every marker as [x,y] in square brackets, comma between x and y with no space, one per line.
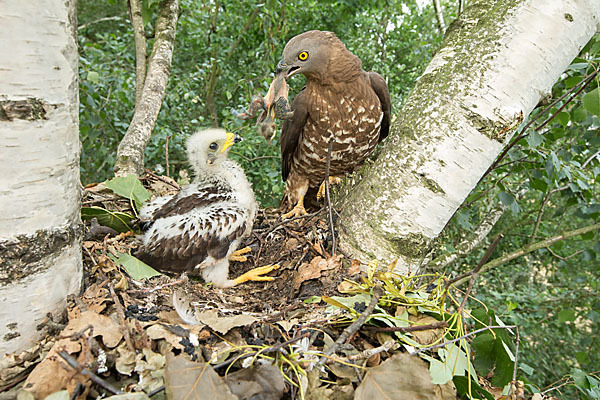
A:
[199,229]
[341,102]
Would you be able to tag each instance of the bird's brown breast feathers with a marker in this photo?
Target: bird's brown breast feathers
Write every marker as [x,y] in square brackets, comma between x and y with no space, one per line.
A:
[349,114]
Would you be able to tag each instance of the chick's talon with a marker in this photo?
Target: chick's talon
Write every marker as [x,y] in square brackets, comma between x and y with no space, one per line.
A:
[237,255]
[256,274]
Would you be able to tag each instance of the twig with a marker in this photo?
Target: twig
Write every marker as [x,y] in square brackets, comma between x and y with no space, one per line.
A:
[155,391]
[514,376]
[355,326]
[368,353]
[285,221]
[475,272]
[485,257]
[536,246]
[327,167]
[162,179]
[84,371]
[541,212]
[589,160]
[167,154]
[475,332]
[271,349]
[404,329]
[84,26]
[121,315]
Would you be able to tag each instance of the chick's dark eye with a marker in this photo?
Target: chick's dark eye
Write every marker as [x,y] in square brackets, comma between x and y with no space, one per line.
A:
[303,56]
[213,146]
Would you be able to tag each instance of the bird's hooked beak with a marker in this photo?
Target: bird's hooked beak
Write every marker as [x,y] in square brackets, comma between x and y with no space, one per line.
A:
[232,138]
[289,70]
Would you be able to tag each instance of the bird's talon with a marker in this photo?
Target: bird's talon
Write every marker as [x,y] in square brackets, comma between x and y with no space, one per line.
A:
[297,211]
[237,255]
[255,274]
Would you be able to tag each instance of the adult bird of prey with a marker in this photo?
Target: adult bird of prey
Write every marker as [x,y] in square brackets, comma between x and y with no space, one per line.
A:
[199,229]
[341,103]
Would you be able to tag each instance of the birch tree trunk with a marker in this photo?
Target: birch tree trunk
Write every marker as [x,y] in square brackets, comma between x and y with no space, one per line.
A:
[497,60]
[130,154]
[40,228]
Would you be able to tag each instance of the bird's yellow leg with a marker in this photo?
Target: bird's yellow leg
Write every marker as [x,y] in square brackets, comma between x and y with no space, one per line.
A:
[333,180]
[298,209]
[237,255]
[255,274]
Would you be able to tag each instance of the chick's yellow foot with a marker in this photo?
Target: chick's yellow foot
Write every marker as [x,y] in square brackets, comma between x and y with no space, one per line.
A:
[297,211]
[256,274]
[237,255]
[333,180]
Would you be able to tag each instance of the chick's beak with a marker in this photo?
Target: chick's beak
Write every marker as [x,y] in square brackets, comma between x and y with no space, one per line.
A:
[232,138]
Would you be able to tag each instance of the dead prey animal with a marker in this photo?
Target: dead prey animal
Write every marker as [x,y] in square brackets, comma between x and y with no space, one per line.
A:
[274,105]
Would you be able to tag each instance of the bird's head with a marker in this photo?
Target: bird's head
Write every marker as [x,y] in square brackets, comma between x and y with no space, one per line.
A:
[208,148]
[317,54]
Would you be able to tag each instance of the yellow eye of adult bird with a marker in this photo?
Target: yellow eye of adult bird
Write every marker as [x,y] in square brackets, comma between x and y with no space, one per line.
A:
[303,56]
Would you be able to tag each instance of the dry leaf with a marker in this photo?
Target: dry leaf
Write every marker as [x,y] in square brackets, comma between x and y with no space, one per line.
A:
[400,377]
[95,298]
[429,336]
[264,382]
[287,325]
[186,379]
[103,326]
[224,324]
[313,270]
[53,373]
[354,267]
[158,331]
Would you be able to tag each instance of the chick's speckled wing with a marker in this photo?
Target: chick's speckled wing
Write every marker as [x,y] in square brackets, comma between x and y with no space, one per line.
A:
[199,223]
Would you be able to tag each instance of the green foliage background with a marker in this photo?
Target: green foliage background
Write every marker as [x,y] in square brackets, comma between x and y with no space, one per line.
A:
[550,175]
[237,44]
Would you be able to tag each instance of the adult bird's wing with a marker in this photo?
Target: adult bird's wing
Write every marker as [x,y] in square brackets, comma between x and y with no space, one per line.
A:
[380,87]
[291,132]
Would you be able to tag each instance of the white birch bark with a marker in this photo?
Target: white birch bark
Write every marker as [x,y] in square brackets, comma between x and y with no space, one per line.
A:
[496,62]
[40,240]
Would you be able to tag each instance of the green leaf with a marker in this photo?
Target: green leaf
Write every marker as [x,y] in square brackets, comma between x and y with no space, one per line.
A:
[534,139]
[506,198]
[129,187]
[563,117]
[134,267]
[440,372]
[120,222]
[538,184]
[566,316]
[93,77]
[464,389]
[591,101]
[462,218]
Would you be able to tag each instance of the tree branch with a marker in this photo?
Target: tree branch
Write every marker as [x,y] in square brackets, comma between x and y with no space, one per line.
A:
[130,154]
[439,16]
[532,247]
[137,23]
[466,246]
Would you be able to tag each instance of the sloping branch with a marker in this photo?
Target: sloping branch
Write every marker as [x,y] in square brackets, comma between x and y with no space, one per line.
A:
[532,247]
[468,244]
[137,23]
[439,16]
[130,154]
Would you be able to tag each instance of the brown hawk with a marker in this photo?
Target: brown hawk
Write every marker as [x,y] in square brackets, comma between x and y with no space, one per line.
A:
[341,102]
[199,229]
